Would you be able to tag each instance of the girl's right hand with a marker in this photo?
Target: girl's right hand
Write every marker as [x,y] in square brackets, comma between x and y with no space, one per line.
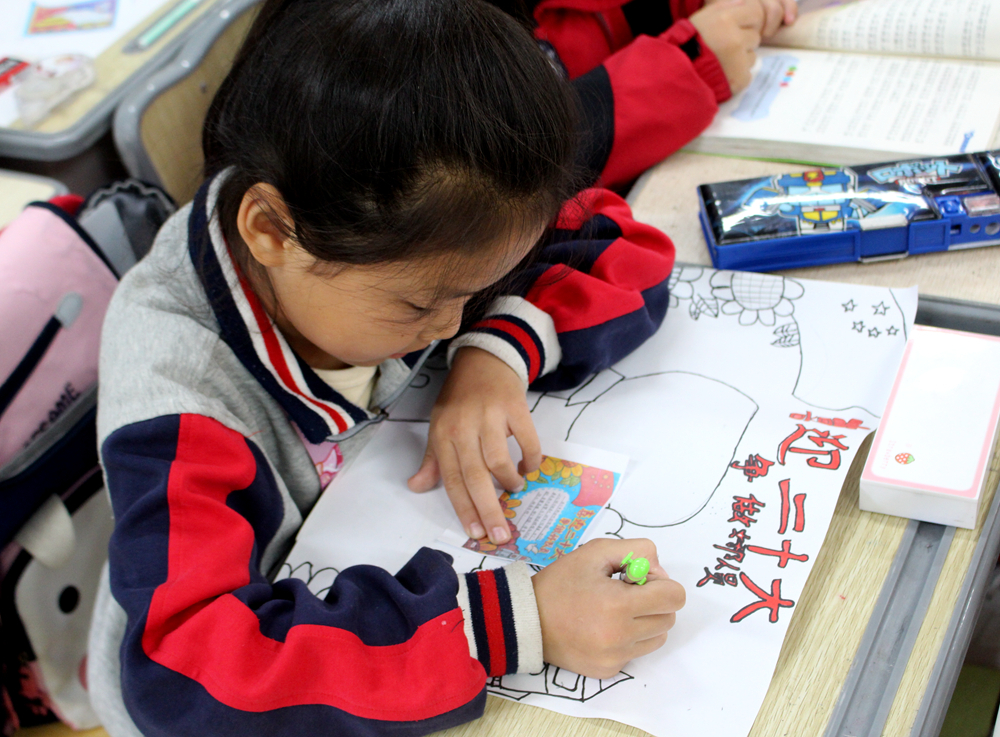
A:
[593,624]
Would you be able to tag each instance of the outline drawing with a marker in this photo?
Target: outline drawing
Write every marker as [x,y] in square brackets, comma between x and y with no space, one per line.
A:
[764,307]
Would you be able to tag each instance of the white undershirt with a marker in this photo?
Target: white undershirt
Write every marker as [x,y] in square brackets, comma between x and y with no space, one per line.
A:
[354,383]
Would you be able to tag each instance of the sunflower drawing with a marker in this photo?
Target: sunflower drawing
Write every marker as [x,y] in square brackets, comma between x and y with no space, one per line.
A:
[755,297]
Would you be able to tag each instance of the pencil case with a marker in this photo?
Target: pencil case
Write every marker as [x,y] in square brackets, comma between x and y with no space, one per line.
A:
[860,213]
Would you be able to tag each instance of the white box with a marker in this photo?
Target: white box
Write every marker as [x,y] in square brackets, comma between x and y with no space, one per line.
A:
[931,452]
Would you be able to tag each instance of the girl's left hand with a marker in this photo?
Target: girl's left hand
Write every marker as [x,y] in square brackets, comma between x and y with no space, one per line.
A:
[482,404]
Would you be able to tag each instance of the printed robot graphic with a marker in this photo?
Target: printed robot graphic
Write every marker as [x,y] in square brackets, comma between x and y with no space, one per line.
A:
[819,200]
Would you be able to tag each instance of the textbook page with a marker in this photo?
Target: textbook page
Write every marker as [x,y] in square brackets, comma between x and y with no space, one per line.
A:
[965,29]
[740,418]
[835,108]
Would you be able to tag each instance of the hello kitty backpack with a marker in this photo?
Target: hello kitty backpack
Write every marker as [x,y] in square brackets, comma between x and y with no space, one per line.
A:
[57,275]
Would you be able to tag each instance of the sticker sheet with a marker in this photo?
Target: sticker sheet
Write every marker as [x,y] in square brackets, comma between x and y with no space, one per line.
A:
[551,515]
[740,418]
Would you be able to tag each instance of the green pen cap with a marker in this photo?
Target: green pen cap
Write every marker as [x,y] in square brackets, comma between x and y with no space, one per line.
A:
[636,569]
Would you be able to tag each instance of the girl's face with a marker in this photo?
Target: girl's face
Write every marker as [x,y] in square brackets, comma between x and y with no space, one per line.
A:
[362,315]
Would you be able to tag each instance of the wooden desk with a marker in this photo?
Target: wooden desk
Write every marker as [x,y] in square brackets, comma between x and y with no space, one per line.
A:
[17,190]
[74,126]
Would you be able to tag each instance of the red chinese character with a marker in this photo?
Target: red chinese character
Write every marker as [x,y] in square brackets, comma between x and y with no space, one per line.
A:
[800,508]
[722,563]
[772,601]
[737,548]
[744,508]
[720,579]
[819,438]
[754,468]
[784,554]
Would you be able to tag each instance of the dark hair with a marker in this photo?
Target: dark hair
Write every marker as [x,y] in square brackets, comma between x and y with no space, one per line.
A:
[393,129]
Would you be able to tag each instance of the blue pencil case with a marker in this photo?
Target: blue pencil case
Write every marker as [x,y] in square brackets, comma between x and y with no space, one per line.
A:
[861,213]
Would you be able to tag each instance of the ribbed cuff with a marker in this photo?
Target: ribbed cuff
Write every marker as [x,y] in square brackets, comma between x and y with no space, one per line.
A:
[501,619]
[519,334]
[705,62]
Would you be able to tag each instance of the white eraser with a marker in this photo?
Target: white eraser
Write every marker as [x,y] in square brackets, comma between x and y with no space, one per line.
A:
[931,453]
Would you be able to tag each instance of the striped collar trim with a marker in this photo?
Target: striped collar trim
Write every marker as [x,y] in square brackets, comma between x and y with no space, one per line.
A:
[319,411]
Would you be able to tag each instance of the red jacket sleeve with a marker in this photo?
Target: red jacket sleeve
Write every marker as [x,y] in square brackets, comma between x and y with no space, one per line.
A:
[597,291]
[643,96]
[210,640]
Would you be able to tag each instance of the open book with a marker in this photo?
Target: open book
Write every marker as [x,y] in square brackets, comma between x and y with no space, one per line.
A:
[869,80]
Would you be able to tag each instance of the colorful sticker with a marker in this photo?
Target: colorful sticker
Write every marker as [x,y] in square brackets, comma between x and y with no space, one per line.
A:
[549,517]
[81,16]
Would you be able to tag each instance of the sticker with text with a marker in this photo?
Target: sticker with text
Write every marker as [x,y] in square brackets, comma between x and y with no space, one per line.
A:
[548,518]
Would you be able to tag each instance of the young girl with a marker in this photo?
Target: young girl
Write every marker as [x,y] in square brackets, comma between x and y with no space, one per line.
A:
[372,165]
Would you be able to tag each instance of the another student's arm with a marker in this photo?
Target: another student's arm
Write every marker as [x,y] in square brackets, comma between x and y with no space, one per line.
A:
[645,91]
[650,74]
[212,644]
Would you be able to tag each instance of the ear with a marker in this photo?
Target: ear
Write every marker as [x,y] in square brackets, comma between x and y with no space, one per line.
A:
[263,222]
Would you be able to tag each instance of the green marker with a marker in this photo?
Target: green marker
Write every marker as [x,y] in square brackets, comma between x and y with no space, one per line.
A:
[635,569]
[159,27]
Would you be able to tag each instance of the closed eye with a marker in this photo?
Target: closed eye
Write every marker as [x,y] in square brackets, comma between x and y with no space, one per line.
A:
[420,310]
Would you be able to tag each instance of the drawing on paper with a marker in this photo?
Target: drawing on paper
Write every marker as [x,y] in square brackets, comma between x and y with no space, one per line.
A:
[318,580]
[553,681]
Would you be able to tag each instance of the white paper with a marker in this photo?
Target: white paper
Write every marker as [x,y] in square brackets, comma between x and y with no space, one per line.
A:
[746,368]
[955,28]
[857,101]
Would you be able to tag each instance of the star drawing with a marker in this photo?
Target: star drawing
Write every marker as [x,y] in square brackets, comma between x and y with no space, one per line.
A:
[881,308]
[849,305]
[859,326]
[892,330]
[874,332]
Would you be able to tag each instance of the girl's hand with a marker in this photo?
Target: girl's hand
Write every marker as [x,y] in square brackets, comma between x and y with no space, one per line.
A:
[593,624]
[482,403]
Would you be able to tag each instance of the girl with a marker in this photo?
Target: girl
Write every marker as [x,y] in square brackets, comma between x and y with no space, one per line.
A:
[372,165]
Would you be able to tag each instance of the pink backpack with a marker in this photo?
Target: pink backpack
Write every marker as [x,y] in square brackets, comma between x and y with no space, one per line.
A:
[55,520]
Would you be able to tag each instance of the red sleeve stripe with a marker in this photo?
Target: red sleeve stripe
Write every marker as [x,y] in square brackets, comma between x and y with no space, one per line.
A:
[520,336]
[492,615]
[197,628]
[494,625]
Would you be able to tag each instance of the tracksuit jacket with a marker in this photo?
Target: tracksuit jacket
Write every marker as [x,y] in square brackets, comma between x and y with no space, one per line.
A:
[209,427]
[647,83]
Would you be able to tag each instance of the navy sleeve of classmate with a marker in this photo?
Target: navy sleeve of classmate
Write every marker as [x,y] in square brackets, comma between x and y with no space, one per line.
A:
[597,291]
[212,645]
